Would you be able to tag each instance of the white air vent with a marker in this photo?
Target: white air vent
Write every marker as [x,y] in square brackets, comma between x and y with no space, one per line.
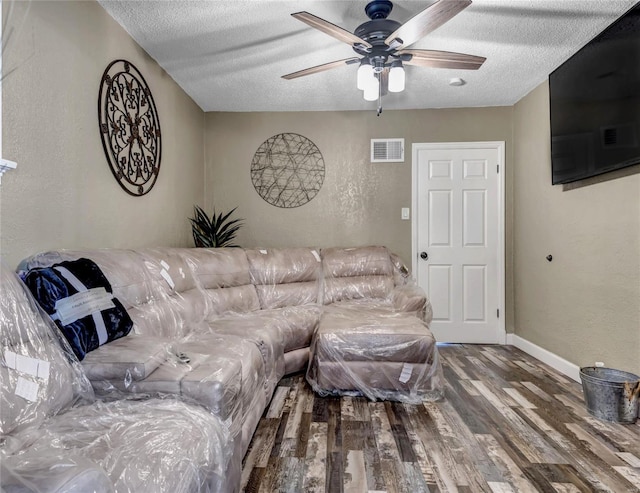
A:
[387,150]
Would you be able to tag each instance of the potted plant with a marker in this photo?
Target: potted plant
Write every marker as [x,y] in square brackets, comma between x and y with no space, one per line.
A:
[217,231]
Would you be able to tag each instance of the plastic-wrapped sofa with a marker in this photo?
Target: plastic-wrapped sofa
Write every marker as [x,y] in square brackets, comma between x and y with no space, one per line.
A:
[55,437]
[222,326]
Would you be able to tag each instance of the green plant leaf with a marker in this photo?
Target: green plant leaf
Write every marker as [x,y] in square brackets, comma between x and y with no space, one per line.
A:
[219,230]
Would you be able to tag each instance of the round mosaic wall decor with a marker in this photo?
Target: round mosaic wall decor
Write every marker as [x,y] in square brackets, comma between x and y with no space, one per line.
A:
[129,127]
[287,170]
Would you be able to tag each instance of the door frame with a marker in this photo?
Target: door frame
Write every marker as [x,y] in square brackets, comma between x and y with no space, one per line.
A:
[501,335]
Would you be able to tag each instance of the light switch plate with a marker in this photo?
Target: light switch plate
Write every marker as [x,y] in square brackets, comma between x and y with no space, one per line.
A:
[405,213]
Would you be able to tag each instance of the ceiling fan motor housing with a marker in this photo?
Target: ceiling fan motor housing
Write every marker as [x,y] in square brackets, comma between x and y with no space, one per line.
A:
[376,31]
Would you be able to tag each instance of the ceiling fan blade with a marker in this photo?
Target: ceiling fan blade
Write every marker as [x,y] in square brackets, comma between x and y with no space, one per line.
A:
[426,21]
[330,29]
[441,59]
[321,68]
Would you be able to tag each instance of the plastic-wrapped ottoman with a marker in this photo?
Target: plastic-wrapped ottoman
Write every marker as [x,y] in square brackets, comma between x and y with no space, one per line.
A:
[375,352]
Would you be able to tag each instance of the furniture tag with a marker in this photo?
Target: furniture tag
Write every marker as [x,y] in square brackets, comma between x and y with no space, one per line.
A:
[405,375]
[27,389]
[43,369]
[315,254]
[27,365]
[167,278]
[10,359]
[263,252]
[164,264]
[80,305]
[31,366]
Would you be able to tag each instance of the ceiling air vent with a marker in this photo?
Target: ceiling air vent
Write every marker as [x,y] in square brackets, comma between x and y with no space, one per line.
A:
[387,150]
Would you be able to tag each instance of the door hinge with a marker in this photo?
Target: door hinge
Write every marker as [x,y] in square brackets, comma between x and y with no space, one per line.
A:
[498,312]
[497,168]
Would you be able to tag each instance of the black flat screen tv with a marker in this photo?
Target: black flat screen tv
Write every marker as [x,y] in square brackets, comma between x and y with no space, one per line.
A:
[595,104]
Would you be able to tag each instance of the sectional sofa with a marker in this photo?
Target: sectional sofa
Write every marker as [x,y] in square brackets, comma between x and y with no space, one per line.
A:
[56,437]
[218,328]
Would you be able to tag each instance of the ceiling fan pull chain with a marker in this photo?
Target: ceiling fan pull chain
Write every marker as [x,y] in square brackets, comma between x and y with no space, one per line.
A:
[379,112]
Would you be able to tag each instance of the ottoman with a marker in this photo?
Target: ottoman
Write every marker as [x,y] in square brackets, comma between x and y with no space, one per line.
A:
[372,350]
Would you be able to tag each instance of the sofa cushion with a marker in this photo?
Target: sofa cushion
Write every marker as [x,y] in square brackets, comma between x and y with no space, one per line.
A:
[235,299]
[78,296]
[169,269]
[285,265]
[360,333]
[291,294]
[218,267]
[353,288]
[296,324]
[132,358]
[358,261]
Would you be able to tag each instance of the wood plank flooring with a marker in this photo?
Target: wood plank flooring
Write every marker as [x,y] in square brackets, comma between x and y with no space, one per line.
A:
[508,423]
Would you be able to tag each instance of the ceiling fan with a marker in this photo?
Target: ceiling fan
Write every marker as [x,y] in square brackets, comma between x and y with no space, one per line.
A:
[381,45]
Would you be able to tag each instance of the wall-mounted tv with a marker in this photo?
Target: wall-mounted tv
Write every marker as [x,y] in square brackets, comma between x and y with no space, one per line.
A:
[595,104]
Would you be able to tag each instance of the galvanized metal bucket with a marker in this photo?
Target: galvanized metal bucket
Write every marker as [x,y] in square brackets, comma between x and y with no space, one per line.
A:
[611,395]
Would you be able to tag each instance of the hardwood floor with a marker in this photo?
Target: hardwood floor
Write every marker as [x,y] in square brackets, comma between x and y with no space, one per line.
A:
[508,423]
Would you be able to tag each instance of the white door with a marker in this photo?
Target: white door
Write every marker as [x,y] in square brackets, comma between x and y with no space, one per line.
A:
[458,238]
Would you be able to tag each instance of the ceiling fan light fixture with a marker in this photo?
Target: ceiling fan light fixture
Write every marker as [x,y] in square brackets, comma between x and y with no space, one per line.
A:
[365,74]
[372,90]
[396,77]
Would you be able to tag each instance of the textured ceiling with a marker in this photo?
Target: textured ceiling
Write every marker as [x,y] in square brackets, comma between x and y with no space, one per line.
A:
[230,55]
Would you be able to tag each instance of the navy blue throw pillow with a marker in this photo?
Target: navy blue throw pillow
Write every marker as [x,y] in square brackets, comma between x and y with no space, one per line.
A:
[79,299]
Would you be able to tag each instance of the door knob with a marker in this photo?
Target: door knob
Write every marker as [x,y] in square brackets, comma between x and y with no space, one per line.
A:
[424,255]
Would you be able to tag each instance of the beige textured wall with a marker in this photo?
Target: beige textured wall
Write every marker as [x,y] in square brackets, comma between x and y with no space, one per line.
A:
[63,193]
[584,305]
[359,202]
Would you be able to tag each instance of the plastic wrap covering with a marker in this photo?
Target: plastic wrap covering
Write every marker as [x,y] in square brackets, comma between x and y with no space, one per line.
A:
[202,371]
[355,288]
[248,366]
[129,359]
[410,298]
[223,274]
[296,360]
[401,273]
[152,445]
[143,296]
[357,261]
[356,273]
[39,375]
[375,352]
[285,277]
[54,472]
[296,324]
[263,332]
[182,293]
[142,446]
[124,269]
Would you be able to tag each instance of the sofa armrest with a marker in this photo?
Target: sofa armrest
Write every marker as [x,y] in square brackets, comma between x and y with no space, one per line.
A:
[412,298]
[53,471]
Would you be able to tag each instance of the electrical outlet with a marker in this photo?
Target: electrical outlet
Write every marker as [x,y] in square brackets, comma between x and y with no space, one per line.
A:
[599,364]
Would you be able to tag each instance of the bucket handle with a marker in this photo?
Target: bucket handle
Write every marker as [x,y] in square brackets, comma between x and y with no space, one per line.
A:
[632,389]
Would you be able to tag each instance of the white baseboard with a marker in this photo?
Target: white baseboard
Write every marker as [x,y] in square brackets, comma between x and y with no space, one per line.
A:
[553,360]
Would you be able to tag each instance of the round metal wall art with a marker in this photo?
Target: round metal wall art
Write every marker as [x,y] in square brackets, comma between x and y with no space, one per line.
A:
[287,170]
[129,127]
